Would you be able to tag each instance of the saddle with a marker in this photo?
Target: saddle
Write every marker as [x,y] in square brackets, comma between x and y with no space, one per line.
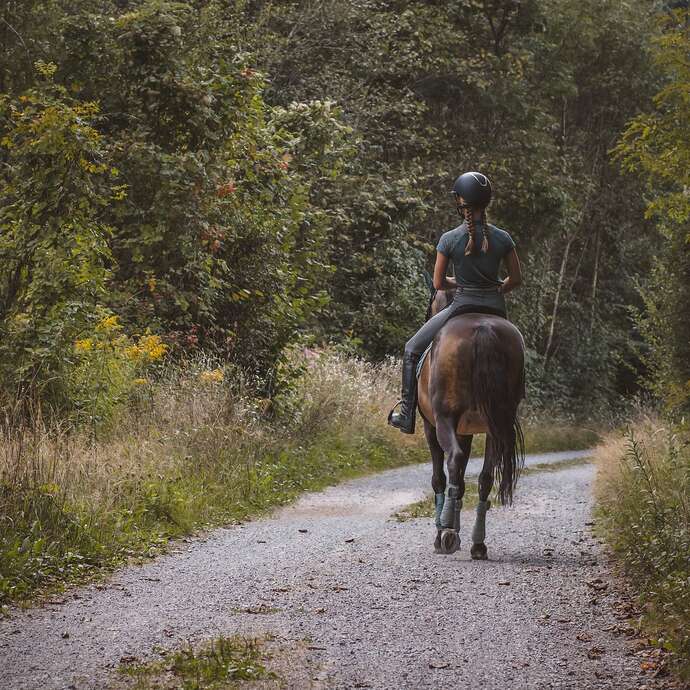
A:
[457,311]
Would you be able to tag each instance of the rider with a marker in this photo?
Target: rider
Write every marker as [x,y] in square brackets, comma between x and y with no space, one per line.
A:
[475,249]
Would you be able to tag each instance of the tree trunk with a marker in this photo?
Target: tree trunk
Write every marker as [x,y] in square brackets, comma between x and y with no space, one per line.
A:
[595,279]
[557,298]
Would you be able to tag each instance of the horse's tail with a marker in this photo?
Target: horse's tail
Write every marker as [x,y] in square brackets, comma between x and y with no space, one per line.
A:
[498,404]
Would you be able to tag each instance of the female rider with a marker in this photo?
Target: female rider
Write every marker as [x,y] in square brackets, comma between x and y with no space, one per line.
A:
[476,250]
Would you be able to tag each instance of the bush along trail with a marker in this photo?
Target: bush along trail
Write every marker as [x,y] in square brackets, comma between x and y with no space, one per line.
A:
[341,594]
[643,493]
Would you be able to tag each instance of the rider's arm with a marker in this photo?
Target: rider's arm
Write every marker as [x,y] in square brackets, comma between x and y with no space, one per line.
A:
[441,281]
[514,272]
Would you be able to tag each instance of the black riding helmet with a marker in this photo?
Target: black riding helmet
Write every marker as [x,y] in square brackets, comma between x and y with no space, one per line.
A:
[474,188]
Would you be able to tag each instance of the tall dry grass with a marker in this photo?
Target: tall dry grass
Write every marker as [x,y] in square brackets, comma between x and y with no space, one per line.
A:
[195,447]
[643,492]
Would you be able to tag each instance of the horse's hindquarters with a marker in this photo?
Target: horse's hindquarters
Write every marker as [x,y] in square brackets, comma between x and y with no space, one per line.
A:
[472,422]
[446,383]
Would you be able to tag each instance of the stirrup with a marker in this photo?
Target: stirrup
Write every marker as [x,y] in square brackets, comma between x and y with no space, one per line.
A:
[390,414]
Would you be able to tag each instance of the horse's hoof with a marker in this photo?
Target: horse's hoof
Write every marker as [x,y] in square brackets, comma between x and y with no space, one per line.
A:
[450,541]
[437,542]
[479,552]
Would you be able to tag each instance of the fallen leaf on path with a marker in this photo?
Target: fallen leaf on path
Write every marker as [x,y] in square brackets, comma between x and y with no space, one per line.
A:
[584,637]
[303,531]
[597,584]
[349,541]
[257,610]
[439,664]
[595,653]
[504,582]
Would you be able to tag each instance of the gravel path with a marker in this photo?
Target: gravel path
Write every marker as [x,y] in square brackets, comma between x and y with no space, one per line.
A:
[376,606]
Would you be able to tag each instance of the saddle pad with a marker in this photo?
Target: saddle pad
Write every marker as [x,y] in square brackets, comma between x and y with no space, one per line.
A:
[420,364]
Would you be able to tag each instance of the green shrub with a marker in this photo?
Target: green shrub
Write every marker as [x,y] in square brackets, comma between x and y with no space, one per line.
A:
[644,504]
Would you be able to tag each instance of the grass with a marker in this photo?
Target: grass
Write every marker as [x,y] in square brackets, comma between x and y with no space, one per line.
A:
[192,451]
[549,436]
[224,663]
[426,509]
[643,495]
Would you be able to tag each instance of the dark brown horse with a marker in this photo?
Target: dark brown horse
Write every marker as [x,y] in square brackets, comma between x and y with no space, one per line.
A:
[472,383]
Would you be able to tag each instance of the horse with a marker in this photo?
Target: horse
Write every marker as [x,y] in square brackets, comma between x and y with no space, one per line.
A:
[471,382]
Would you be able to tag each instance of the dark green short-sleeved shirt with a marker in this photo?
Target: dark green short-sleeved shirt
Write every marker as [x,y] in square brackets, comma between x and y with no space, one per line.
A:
[477,270]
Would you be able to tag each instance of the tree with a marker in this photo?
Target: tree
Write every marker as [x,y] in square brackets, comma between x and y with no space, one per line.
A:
[656,146]
[54,255]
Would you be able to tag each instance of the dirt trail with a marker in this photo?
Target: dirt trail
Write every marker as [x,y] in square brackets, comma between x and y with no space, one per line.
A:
[377,607]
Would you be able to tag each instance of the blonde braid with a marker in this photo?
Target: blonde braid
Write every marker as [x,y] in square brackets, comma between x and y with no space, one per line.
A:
[471,228]
[485,233]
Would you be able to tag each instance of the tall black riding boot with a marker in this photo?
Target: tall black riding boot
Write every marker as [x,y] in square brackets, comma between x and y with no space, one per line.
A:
[404,420]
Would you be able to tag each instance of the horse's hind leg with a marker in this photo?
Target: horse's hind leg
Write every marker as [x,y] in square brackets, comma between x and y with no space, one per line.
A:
[478,550]
[458,453]
[438,478]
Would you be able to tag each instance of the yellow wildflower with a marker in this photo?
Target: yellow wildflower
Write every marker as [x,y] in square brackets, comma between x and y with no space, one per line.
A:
[140,382]
[152,347]
[132,352]
[85,345]
[110,323]
[213,376]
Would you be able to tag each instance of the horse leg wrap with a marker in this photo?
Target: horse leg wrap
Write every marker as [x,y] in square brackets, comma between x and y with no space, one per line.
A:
[450,514]
[439,499]
[479,530]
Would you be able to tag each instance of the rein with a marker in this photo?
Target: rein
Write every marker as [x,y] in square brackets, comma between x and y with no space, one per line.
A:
[432,294]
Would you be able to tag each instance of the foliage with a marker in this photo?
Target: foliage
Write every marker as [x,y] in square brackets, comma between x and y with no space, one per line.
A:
[106,370]
[54,254]
[272,186]
[511,89]
[644,503]
[656,146]
[210,236]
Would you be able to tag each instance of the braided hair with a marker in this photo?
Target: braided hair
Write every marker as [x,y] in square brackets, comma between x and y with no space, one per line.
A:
[472,229]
